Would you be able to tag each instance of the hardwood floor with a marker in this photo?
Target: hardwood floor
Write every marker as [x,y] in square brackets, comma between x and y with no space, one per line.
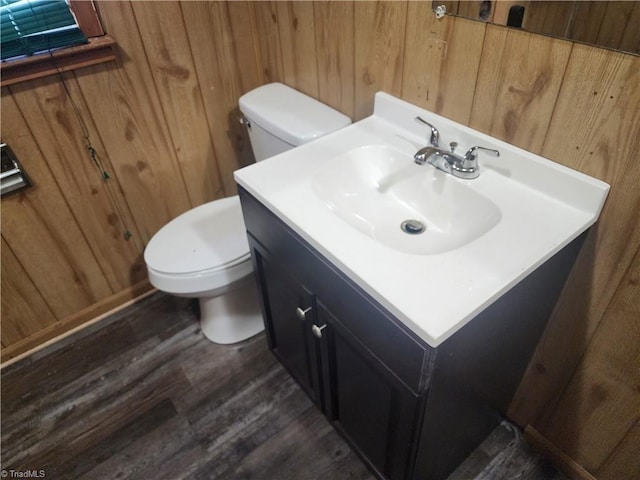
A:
[143,395]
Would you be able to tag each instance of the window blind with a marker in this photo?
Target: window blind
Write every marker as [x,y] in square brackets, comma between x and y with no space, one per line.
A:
[31,26]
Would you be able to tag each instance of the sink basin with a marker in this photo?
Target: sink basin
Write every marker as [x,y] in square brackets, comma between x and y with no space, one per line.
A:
[375,188]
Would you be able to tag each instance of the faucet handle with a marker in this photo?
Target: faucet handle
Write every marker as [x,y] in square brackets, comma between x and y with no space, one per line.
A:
[435,135]
[471,157]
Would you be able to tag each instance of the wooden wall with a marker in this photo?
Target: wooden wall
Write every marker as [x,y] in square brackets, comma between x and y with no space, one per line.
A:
[163,120]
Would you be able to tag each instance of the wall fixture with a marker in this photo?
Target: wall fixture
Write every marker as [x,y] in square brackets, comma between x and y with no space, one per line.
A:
[440,11]
[12,177]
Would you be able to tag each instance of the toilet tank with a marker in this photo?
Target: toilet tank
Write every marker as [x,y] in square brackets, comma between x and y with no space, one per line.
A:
[280,118]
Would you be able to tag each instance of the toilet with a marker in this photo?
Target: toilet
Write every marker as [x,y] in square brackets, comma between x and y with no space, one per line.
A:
[204,252]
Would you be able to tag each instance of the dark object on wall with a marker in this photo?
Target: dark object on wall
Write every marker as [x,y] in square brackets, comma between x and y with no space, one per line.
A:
[516,14]
[13,177]
[484,12]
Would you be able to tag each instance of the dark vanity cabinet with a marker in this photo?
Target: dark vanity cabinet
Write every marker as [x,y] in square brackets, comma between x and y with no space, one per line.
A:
[336,369]
[365,401]
[290,309]
[409,410]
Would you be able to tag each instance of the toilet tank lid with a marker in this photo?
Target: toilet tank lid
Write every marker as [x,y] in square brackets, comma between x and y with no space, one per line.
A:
[290,115]
[204,238]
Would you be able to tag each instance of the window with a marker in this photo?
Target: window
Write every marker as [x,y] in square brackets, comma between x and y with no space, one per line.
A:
[42,37]
[32,26]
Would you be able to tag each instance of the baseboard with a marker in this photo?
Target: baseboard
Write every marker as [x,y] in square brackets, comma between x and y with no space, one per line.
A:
[557,457]
[74,323]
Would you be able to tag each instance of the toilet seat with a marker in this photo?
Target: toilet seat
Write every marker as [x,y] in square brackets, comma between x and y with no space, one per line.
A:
[201,250]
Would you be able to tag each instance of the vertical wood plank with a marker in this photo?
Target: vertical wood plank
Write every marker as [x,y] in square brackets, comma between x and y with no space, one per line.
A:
[296,26]
[41,230]
[127,111]
[335,54]
[515,92]
[244,44]
[602,400]
[214,54]
[441,63]
[126,224]
[599,144]
[246,54]
[608,99]
[56,112]
[379,51]
[266,17]
[24,310]
[624,458]
[175,79]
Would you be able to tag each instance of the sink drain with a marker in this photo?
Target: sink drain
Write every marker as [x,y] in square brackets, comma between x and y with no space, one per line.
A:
[412,227]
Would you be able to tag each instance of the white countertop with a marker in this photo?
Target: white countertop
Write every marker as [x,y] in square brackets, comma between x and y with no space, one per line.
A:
[543,207]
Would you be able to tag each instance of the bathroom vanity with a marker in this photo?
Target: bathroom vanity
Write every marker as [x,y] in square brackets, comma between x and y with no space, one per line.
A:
[409,410]
[411,347]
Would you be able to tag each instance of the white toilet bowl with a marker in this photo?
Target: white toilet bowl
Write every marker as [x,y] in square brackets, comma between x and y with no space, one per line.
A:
[204,254]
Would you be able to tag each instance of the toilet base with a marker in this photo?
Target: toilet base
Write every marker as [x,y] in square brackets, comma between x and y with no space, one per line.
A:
[233,316]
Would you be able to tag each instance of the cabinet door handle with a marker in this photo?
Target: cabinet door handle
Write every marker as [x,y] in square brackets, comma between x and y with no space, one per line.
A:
[317,331]
[301,314]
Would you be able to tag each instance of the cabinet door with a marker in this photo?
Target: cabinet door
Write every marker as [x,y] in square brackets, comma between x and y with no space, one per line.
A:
[289,313]
[367,403]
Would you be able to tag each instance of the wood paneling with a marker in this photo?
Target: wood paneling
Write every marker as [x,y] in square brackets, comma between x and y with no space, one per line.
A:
[54,110]
[379,51]
[515,92]
[600,144]
[219,76]
[296,26]
[164,121]
[602,399]
[266,21]
[179,91]
[441,62]
[335,53]
[20,300]
[40,228]
[624,458]
[126,107]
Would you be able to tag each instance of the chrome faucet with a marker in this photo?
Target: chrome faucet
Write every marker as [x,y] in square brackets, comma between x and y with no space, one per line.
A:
[459,166]
[448,161]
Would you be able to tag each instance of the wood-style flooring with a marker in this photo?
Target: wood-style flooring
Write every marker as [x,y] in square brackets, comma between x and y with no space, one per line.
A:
[143,395]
